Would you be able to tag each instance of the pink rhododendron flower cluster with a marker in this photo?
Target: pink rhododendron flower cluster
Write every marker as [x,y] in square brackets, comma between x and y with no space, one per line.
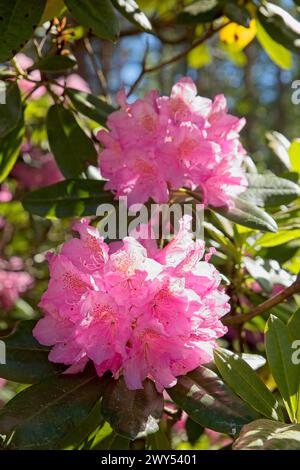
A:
[13,282]
[131,313]
[158,144]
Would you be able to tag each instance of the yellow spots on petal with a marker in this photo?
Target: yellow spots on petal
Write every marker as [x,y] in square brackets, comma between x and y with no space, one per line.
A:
[238,36]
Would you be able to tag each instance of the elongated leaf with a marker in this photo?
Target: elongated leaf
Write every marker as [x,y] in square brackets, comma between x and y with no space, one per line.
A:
[69,144]
[264,434]
[209,402]
[10,148]
[280,25]
[18,20]
[201,11]
[275,239]
[90,105]
[97,15]
[40,416]
[270,190]
[67,199]
[132,413]
[247,214]
[26,359]
[294,154]
[246,383]
[277,53]
[131,11]
[285,372]
[54,64]
[10,112]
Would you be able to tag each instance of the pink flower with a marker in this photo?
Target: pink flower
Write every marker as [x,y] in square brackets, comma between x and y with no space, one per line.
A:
[40,171]
[2,383]
[12,283]
[132,312]
[158,144]
[28,84]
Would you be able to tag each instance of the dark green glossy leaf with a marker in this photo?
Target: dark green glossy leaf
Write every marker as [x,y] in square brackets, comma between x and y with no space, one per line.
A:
[237,13]
[209,402]
[280,354]
[41,416]
[89,105]
[96,15]
[26,359]
[246,383]
[264,434]
[201,11]
[10,112]
[69,144]
[68,199]
[18,20]
[131,11]
[54,64]
[270,190]
[10,148]
[247,214]
[132,413]
[280,25]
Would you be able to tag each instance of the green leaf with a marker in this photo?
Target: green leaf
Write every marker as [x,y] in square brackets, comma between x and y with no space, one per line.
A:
[294,153]
[131,11]
[246,383]
[77,436]
[18,20]
[26,360]
[41,416]
[68,198]
[248,215]
[107,439]
[201,11]
[277,53]
[10,148]
[89,105]
[209,402]
[96,15]
[11,111]
[237,13]
[275,239]
[270,190]
[280,146]
[69,144]
[280,25]
[264,434]
[279,353]
[132,413]
[54,64]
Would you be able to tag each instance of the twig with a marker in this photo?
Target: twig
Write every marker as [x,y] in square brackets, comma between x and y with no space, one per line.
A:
[265,306]
[176,57]
[99,74]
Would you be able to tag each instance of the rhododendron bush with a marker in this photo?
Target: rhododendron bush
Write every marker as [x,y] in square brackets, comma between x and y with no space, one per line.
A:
[149,225]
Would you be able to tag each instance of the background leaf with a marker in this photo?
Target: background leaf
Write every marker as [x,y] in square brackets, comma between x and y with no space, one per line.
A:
[246,383]
[209,402]
[18,19]
[132,413]
[270,190]
[264,434]
[96,15]
[40,416]
[90,106]
[26,359]
[68,199]
[69,144]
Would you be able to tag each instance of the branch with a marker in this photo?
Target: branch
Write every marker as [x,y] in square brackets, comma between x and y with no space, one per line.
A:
[265,306]
[176,57]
